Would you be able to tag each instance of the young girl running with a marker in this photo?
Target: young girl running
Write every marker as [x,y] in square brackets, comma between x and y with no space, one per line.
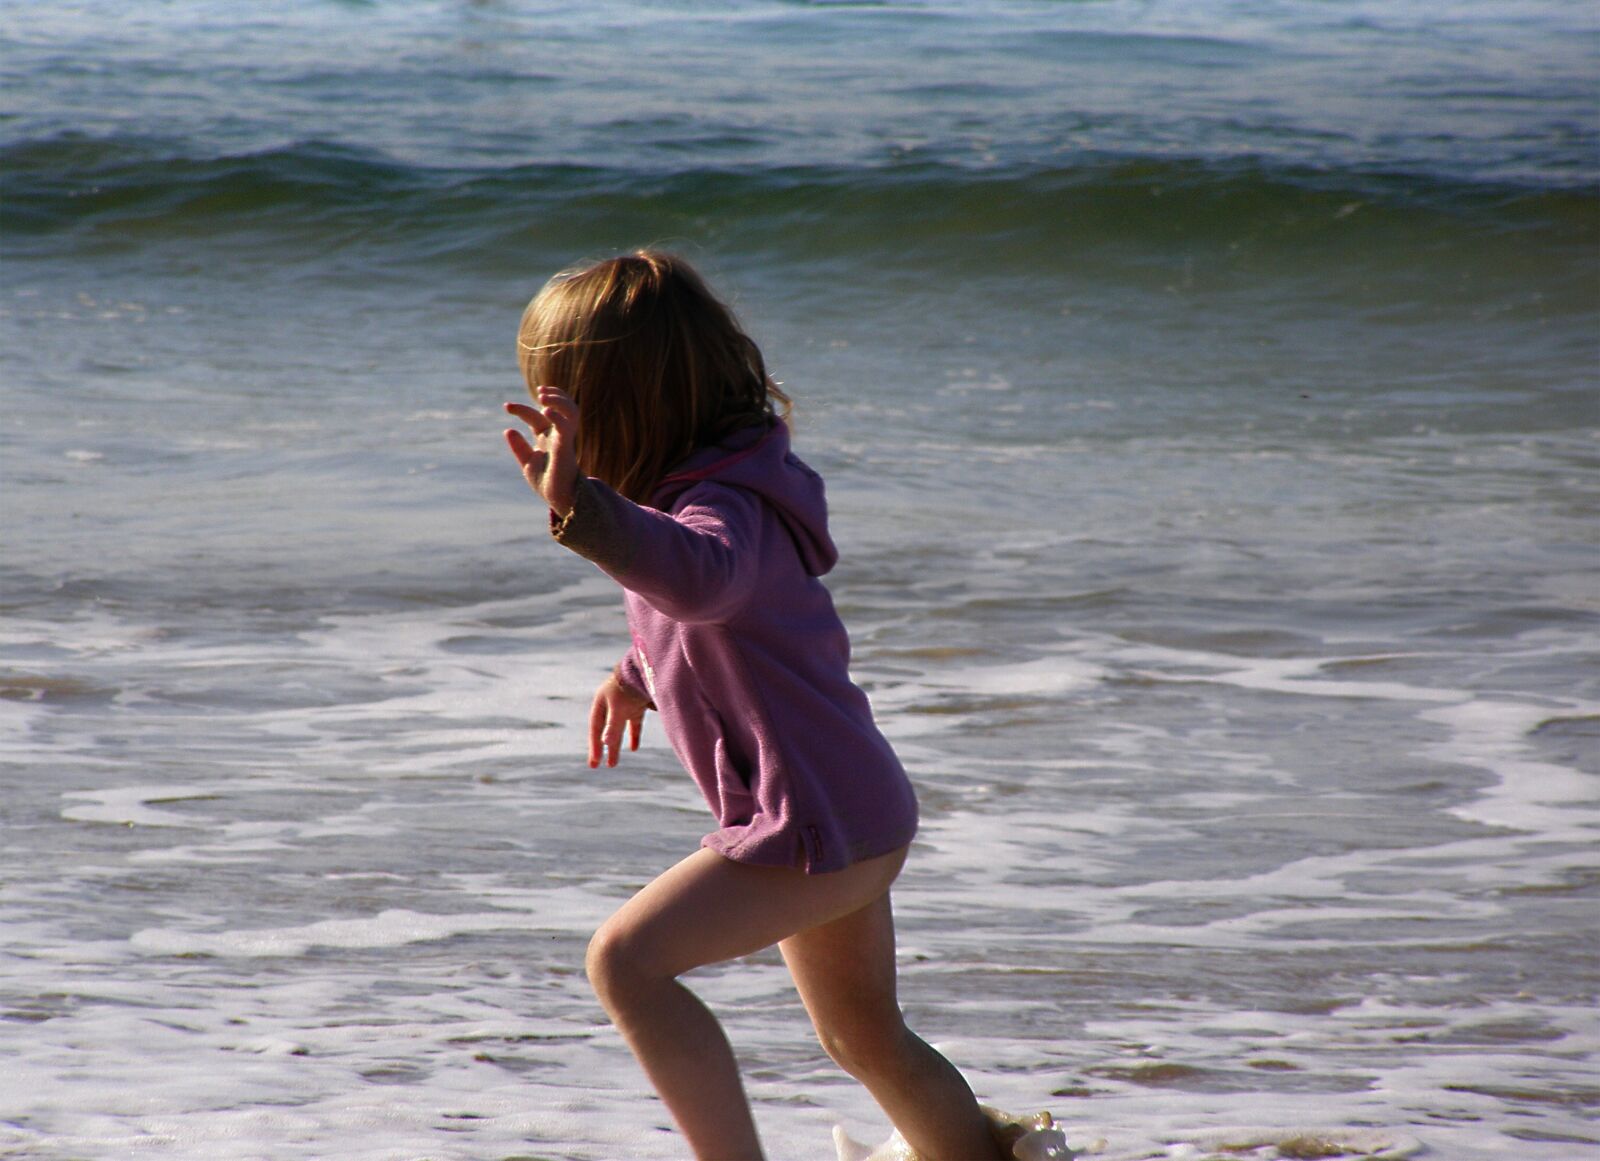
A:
[660,446]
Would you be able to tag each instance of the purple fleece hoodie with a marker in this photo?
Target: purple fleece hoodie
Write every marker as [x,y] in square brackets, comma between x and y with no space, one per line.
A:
[737,644]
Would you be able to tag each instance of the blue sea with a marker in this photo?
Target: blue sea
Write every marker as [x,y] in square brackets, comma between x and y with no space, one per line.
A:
[1208,399]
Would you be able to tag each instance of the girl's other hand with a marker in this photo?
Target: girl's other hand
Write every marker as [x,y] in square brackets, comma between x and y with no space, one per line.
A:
[615,705]
[550,462]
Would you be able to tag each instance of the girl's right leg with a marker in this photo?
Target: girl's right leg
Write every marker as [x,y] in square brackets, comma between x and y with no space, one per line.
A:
[845,972]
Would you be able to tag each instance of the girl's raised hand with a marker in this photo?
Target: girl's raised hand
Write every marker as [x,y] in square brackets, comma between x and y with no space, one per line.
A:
[550,462]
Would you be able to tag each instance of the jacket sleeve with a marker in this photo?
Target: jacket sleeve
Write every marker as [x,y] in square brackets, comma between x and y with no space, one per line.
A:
[630,673]
[695,564]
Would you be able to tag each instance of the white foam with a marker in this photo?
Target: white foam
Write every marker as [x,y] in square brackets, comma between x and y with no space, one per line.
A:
[1540,797]
[569,909]
[1298,675]
[133,805]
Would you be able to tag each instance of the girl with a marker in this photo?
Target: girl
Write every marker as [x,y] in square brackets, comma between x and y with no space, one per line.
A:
[660,446]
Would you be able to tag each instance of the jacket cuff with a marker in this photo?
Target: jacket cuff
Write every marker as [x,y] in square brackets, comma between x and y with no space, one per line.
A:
[628,676]
[592,528]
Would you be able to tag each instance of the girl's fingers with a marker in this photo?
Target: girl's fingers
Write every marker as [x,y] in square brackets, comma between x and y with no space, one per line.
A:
[533,461]
[558,420]
[543,423]
[597,724]
[609,716]
[559,409]
[525,453]
[532,416]
[613,738]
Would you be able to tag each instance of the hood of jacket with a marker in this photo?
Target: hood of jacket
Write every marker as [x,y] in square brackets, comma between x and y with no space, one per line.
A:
[758,459]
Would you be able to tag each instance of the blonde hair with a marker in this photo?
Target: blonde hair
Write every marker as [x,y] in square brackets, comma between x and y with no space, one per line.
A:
[657,364]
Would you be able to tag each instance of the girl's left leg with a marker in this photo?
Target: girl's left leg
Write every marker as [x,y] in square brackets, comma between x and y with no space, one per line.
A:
[705,910]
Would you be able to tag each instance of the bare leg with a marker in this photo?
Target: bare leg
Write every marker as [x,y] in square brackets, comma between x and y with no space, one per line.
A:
[845,971]
[705,910]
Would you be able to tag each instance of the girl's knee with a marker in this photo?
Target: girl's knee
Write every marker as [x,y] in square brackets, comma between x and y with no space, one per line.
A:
[868,1047]
[606,962]
[619,965]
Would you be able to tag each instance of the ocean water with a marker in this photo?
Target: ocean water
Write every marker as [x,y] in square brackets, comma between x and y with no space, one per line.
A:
[1208,399]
